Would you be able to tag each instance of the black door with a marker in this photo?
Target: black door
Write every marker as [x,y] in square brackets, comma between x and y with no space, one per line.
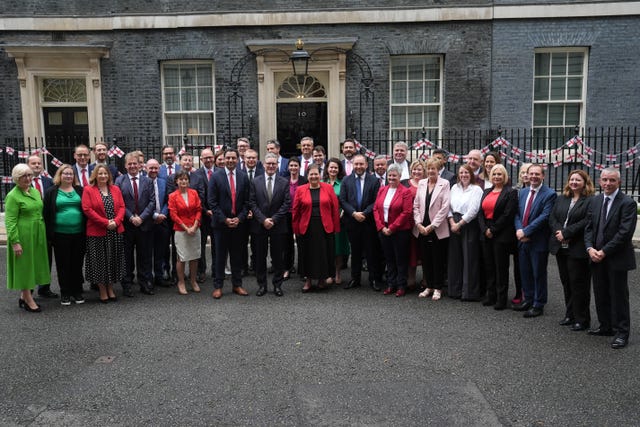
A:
[64,129]
[297,120]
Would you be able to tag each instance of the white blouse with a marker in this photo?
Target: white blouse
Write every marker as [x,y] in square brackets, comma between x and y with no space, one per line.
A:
[387,202]
[465,201]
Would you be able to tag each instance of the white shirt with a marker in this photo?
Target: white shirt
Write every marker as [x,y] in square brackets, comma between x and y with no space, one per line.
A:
[387,202]
[465,201]
[405,169]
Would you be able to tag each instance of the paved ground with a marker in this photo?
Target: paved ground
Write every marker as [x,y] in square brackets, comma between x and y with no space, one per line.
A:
[336,358]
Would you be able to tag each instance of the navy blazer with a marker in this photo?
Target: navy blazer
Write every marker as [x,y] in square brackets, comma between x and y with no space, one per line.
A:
[262,209]
[573,232]
[284,167]
[162,173]
[202,171]
[162,196]
[146,200]
[537,230]
[114,170]
[220,197]
[618,230]
[45,182]
[349,199]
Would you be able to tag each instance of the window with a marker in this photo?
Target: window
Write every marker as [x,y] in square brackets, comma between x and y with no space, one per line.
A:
[188,100]
[559,86]
[416,93]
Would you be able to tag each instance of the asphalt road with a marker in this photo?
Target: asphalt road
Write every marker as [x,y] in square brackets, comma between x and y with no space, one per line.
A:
[334,358]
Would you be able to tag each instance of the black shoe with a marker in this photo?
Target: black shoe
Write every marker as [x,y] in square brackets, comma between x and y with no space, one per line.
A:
[46,293]
[533,312]
[78,299]
[620,341]
[600,331]
[147,290]
[566,321]
[127,292]
[487,302]
[579,327]
[523,306]
[352,284]
[277,291]
[261,291]
[65,300]
[374,286]
[23,304]
[499,307]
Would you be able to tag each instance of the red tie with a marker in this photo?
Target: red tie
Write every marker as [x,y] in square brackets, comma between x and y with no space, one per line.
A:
[38,186]
[135,192]
[232,185]
[527,211]
[169,168]
[306,166]
[209,175]
[84,177]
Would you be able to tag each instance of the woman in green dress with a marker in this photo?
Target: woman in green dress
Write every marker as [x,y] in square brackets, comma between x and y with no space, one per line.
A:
[27,258]
[333,174]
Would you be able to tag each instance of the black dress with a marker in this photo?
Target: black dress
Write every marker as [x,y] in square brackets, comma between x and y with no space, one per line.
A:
[316,258]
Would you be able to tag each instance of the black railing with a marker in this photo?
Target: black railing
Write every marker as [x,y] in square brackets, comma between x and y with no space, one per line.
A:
[596,148]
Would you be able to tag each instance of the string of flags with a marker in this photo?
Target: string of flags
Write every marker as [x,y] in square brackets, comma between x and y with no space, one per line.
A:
[513,155]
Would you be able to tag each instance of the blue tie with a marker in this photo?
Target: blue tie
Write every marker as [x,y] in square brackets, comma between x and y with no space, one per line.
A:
[358,191]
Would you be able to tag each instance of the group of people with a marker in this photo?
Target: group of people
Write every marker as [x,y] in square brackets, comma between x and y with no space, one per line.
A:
[153,220]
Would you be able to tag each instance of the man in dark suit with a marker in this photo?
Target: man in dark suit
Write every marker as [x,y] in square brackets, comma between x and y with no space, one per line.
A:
[81,166]
[100,151]
[270,202]
[444,173]
[206,172]
[380,169]
[348,151]
[320,158]
[168,167]
[357,196]
[400,150]
[273,146]
[41,183]
[611,222]
[229,200]
[533,231]
[161,233]
[306,154]
[242,145]
[140,204]
[254,169]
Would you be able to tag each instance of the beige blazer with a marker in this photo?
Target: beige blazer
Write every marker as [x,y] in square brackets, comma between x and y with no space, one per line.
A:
[438,208]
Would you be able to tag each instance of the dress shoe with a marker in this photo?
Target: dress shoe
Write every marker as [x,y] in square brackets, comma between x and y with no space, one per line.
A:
[566,321]
[400,292]
[600,331]
[352,284]
[163,283]
[620,341]
[499,306]
[239,290]
[23,304]
[523,306]
[147,290]
[579,326]
[277,291]
[487,302]
[374,286]
[388,291]
[45,292]
[127,292]
[217,293]
[262,290]
[533,312]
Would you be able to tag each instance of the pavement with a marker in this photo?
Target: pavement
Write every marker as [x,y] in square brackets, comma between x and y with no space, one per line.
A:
[339,357]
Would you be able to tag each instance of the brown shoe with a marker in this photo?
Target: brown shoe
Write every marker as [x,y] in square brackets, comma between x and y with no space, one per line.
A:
[240,291]
[217,293]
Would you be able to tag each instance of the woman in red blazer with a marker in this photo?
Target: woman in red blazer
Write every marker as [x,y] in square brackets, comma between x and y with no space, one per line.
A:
[393,212]
[103,206]
[185,210]
[315,219]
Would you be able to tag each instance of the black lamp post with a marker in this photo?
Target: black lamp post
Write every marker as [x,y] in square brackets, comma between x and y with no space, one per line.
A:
[300,60]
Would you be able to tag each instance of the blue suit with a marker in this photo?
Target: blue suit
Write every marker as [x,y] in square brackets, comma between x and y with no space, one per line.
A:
[534,253]
[114,170]
[162,173]
[138,238]
[283,170]
[161,232]
[228,240]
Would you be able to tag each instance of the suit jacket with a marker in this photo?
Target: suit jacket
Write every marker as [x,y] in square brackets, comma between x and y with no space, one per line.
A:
[262,209]
[196,182]
[449,176]
[573,232]
[45,183]
[502,225]
[283,170]
[146,199]
[349,198]
[302,205]
[618,230]
[162,196]
[344,166]
[400,210]
[162,173]
[257,171]
[438,208]
[204,177]
[181,213]
[114,170]
[93,209]
[76,172]
[302,160]
[220,197]
[50,209]
[537,230]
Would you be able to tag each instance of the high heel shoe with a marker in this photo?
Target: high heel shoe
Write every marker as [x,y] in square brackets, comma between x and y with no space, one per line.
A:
[195,288]
[23,304]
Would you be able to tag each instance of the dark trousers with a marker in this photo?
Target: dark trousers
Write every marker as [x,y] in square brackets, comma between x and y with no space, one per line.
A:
[575,276]
[433,260]
[161,235]
[363,241]
[206,231]
[264,242]
[228,241]
[611,294]
[463,263]
[533,270]
[396,254]
[140,242]
[69,250]
[496,270]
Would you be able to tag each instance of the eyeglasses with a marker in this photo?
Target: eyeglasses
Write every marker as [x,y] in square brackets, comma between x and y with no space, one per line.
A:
[67,174]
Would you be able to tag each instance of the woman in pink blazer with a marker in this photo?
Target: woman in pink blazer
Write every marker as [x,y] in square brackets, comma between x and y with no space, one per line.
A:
[393,214]
[430,210]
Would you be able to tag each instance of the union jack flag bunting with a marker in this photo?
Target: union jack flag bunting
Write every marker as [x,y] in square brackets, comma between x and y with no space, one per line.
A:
[631,151]
[542,156]
[587,162]
[576,140]
[485,150]
[588,150]
[9,150]
[530,155]
[453,158]
[611,157]
[599,166]
[422,143]
[570,157]
[23,154]
[36,151]
[115,151]
[629,163]
[579,156]
[217,148]
[7,180]
[500,142]
[55,162]
[357,144]
[424,156]
[556,151]
[544,166]
[557,163]
[516,151]
[512,161]
[182,151]
[370,154]
[503,155]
